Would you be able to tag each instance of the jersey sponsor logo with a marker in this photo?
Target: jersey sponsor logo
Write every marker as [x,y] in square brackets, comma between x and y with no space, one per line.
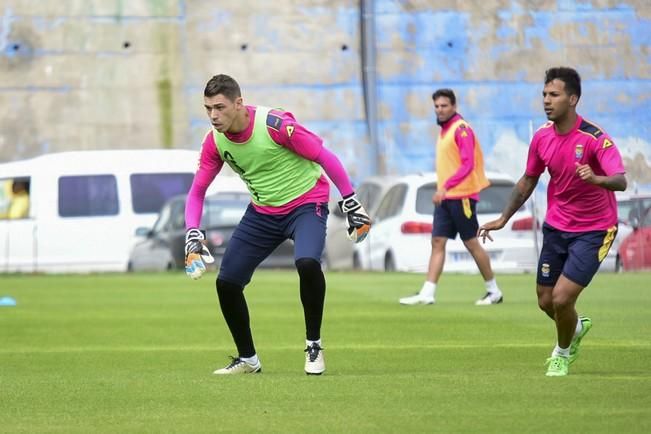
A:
[274,121]
[578,151]
[607,144]
[290,130]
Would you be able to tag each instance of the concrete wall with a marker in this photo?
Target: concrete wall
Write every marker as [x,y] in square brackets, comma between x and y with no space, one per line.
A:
[96,74]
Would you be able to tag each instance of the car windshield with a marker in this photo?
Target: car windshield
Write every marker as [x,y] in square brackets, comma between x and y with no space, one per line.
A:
[225,211]
[492,200]
[149,191]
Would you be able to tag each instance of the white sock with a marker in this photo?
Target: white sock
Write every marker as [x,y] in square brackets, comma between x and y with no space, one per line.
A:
[558,351]
[579,327]
[492,288]
[309,343]
[428,289]
[253,360]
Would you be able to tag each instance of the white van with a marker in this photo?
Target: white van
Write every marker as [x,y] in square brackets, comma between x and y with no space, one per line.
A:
[84,206]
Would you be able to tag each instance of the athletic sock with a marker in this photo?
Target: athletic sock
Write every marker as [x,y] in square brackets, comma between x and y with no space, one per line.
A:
[253,360]
[312,291]
[428,289]
[558,351]
[308,343]
[492,288]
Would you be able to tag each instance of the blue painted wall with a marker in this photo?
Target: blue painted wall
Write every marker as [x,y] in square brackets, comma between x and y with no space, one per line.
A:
[495,61]
[68,80]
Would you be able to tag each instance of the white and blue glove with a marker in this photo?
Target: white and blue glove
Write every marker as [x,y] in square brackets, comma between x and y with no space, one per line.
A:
[197,254]
[357,219]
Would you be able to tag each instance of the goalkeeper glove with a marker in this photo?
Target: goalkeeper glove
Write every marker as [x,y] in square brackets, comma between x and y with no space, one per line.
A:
[357,219]
[197,254]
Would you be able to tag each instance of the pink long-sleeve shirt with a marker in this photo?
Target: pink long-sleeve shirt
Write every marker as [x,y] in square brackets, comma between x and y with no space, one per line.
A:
[301,141]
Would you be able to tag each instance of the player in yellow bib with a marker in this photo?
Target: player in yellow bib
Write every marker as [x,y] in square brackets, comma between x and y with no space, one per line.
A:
[460,178]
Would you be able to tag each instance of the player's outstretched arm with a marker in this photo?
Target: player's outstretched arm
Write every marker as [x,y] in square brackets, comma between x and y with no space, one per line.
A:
[519,195]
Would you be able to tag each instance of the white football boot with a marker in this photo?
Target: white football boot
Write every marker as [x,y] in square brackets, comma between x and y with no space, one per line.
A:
[489,299]
[239,366]
[314,362]
[417,299]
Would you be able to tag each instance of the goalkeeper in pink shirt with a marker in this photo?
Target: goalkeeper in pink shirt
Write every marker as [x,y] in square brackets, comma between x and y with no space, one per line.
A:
[585,170]
[283,165]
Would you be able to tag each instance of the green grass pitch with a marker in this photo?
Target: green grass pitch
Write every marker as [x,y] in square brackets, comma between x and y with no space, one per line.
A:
[135,353]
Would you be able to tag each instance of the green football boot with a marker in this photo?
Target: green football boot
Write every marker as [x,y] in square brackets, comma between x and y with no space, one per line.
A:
[558,366]
[576,341]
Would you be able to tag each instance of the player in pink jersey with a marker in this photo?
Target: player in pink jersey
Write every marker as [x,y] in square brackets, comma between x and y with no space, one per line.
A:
[281,163]
[585,169]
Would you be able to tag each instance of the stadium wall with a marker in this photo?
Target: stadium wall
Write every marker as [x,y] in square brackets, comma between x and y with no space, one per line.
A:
[100,74]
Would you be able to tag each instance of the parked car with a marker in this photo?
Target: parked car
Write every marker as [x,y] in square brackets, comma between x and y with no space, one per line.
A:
[400,238]
[339,251]
[163,245]
[100,196]
[628,205]
[634,249]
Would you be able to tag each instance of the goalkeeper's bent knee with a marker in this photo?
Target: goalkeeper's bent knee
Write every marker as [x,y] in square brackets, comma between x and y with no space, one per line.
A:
[225,287]
[308,267]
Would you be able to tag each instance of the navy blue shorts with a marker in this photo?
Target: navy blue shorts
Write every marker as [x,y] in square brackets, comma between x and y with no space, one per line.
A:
[456,216]
[257,235]
[577,255]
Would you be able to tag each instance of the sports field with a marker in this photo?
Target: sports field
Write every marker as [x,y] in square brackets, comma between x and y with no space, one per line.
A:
[135,353]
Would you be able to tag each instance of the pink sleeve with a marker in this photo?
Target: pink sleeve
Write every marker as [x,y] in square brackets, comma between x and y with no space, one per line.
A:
[308,145]
[335,171]
[210,163]
[465,140]
[535,166]
[608,156]
[293,135]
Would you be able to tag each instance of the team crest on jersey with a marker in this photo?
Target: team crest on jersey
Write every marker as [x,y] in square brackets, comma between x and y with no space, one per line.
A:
[607,144]
[578,151]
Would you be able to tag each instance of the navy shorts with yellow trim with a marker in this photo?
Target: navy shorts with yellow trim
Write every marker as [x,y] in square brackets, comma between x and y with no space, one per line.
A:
[257,235]
[577,255]
[456,216]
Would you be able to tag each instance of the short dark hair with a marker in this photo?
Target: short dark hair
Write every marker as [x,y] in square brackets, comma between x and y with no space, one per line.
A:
[567,75]
[448,93]
[224,85]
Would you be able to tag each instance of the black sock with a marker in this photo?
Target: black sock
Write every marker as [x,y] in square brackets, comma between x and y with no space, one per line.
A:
[313,289]
[236,314]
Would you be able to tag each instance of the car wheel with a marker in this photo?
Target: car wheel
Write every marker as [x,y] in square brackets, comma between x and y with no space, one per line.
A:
[357,263]
[389,262]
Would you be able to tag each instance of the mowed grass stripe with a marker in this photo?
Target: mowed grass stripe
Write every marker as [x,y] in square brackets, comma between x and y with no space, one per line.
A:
[135,354]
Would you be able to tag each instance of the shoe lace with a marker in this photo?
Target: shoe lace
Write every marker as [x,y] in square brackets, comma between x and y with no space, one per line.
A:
[313,352]
[234,362]
[555,363]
